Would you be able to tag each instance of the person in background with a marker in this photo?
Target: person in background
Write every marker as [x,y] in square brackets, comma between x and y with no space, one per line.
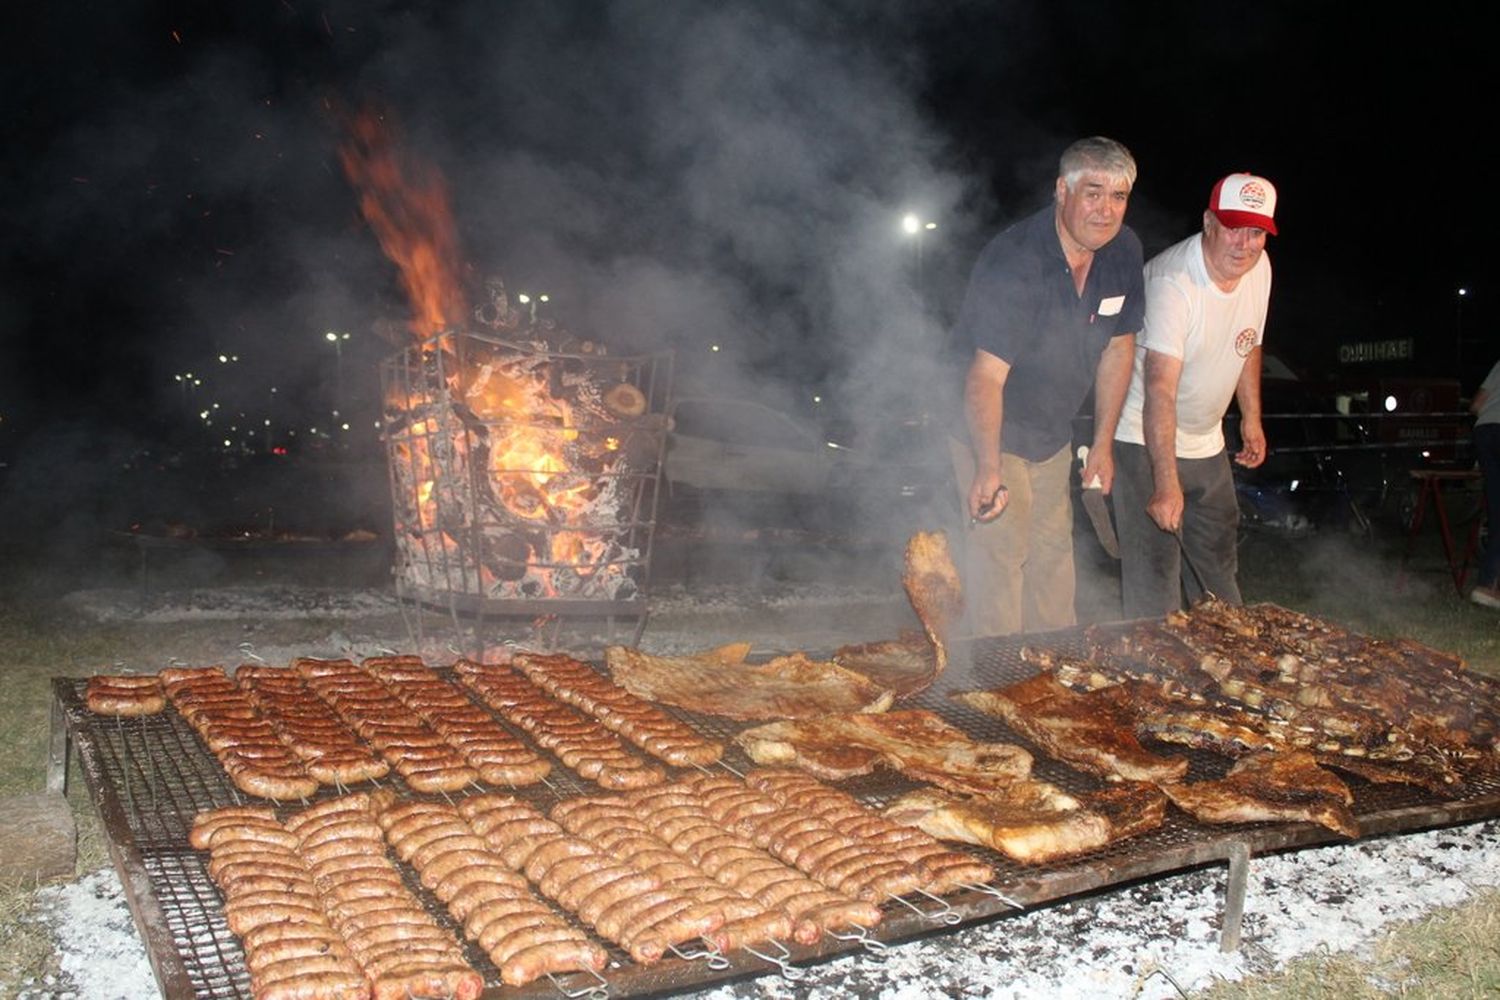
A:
[1206,303]
[1051,311]
[1486,409]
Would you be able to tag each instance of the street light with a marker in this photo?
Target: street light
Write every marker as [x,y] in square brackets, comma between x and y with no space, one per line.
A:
[337,340]
[915,227]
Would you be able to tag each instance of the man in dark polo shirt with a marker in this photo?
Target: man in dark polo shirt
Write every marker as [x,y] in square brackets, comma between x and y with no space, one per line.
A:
[1052,309]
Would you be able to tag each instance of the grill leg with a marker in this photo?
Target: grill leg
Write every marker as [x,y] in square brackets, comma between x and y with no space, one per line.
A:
[1234,896]
[57,750]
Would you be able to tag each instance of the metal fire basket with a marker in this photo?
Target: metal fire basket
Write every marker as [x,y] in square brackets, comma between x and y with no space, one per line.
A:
[524,480]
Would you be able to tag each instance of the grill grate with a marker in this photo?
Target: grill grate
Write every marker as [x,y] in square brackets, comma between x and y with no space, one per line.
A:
[150,776]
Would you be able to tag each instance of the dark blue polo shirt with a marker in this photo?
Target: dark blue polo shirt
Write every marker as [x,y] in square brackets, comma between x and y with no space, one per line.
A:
[1021,307]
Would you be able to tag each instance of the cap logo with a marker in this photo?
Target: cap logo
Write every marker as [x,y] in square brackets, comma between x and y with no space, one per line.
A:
[1252,195]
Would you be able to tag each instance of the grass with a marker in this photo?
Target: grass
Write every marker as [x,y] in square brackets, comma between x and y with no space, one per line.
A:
[1367,584]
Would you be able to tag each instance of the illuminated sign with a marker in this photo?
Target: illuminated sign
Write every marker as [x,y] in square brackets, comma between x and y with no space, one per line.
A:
[1377,350]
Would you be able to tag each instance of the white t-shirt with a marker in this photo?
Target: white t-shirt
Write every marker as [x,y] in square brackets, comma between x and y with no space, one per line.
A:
[1211,331]
[1489,413]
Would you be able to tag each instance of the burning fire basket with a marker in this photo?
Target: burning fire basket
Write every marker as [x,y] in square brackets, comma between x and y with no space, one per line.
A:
[524,480]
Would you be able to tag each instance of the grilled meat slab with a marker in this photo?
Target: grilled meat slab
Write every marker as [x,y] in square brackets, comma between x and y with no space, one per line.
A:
[915,742]
[1090,731]
[1034,822]
[906,665]
[789,687]
[1269,787]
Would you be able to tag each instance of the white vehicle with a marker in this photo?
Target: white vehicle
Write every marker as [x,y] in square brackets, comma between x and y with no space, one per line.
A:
[742,446]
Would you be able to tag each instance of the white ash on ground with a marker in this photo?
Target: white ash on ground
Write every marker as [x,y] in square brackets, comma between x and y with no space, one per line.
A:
[1143,941]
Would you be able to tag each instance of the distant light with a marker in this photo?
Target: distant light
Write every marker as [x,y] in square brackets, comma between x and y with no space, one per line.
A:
[197,381]
[1426,454]
[273,388]
[234,357]
[833,444]
[227,443]
[223,359]
[930,225]
[331,336]
[268,421]
[343,427]
[524,299]
[216,406]
[1293,487]
[177,377]
[546,298]
[1390,404]
[817,399]
[203,414]
[1462,292]
[714,348]
[911,223]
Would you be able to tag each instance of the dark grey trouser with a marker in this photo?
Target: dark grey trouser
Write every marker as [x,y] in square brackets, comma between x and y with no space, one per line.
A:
[1153,575]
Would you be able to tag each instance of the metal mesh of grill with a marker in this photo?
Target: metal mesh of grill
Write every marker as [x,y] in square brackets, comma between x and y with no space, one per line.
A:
[150,777]
[517,485]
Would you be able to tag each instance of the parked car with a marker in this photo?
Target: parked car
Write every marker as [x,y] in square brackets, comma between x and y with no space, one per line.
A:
[773,467]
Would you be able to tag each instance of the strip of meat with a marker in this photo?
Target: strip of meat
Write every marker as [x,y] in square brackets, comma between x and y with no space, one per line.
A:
[1267,787]
[1086,730]
[788,687]
[1034,822]
[916,742]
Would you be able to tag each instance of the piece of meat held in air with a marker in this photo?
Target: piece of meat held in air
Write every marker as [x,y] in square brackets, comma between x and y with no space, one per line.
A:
[1034,822]
[794,686]
[1087,731]
[642,723]
[916,742]
[578,740]
[124,694]
[1270,787]
[909,664]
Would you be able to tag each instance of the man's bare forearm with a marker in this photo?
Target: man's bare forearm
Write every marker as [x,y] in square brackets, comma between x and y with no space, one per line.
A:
[1110,384]
[1160,418]
[984,411]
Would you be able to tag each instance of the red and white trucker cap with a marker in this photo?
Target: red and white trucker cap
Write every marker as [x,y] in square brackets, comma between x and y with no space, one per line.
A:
[1241,200]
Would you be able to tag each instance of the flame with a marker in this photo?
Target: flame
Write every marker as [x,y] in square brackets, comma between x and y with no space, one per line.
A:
[523,453]
[408,211]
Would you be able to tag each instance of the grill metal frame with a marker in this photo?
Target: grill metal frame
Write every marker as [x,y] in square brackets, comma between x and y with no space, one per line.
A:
[148,777]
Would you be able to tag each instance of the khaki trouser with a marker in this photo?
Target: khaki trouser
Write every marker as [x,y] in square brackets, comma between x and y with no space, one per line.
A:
[1018,568]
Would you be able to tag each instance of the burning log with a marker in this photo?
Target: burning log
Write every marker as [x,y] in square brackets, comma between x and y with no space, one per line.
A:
[518,472]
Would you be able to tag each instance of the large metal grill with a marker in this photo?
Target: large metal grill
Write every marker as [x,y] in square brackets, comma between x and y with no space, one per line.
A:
[150,776]
[524,481]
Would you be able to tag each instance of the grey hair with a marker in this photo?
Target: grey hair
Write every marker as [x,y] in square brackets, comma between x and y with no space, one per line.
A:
[1096,154]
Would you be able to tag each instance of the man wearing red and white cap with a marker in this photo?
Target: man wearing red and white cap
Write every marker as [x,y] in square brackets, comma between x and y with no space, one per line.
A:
[1206,301]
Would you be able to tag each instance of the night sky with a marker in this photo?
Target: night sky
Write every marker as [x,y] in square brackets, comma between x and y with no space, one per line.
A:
[681,174]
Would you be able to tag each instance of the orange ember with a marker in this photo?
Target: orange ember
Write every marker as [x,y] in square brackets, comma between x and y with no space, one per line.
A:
[408,210]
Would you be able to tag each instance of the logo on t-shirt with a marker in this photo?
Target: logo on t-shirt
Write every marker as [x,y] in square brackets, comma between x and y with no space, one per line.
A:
[1244,342]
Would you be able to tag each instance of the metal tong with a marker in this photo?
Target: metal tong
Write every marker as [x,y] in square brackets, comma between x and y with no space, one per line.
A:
[989,504]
